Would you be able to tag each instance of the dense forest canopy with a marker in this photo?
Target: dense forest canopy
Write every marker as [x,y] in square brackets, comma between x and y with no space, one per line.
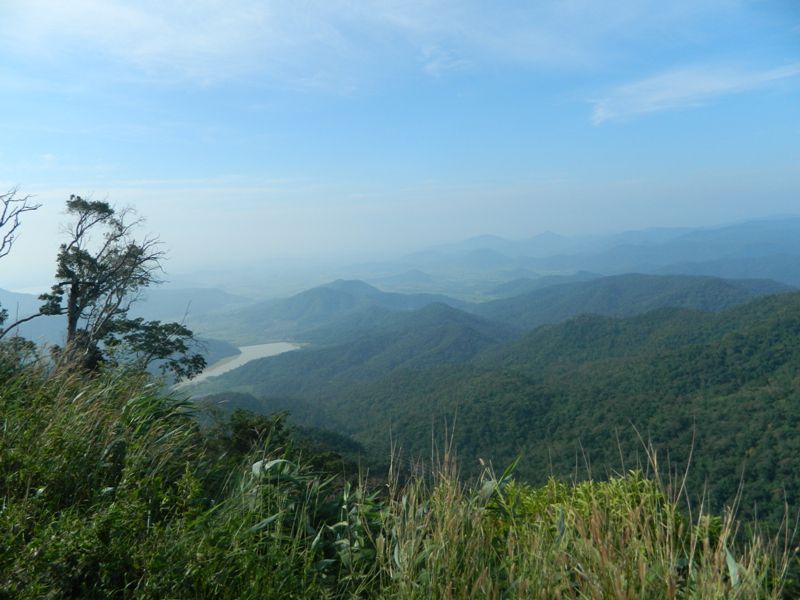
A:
[575,399]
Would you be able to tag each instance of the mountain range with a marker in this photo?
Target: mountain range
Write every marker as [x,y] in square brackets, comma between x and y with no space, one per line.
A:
[344,308]
[575,399]
[471,269]
[573,352]
[293,318]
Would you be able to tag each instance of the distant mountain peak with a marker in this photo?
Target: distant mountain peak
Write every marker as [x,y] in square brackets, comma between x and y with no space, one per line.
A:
[547,236]
[352,286]
[486,237]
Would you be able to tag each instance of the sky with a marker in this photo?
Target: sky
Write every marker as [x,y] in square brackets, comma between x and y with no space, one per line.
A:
[266,130]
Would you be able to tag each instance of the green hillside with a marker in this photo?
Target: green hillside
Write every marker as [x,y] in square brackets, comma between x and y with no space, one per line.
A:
[111,490]
[723,387]
[382,321]
[436,334]
[361,340]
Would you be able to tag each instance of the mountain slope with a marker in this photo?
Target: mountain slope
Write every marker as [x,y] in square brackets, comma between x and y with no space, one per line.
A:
[436,334]
[363,341]
[383,321]
[526,285]
[769,241]
[777,267]
[721,386]
[623,295]
[292,318]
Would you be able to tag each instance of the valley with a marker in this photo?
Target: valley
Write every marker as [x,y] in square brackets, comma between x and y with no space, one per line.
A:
[575,373]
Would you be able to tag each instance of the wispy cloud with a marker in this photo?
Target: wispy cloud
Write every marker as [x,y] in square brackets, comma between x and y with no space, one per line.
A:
[437,62]
[323,41]
[192,39]
[683,88]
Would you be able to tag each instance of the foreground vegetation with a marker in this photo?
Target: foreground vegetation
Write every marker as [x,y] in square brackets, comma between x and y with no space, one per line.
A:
[111,490]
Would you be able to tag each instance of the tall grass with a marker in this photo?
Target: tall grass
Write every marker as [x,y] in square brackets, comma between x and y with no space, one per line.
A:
[108,489]
[621,538]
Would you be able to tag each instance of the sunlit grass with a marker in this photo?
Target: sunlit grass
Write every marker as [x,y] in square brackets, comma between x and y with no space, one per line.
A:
[109,489]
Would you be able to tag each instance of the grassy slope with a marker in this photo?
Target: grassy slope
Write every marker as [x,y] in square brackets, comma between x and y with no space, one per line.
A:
[111,491]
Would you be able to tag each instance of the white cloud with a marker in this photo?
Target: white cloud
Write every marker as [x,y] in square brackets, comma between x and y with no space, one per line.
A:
[318,42]
[683,88]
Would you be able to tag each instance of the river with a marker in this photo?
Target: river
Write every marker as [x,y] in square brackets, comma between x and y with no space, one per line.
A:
[248,353]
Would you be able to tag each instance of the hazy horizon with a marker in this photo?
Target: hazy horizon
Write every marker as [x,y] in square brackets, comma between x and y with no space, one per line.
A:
[295,273]
[265,131]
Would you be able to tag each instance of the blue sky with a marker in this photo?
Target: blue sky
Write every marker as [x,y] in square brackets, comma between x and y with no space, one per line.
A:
[270,129]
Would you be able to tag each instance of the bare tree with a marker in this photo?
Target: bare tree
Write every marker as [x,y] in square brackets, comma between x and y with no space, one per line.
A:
[13,207]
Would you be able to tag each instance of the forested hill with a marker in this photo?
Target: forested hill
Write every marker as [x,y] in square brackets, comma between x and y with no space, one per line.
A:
[726,386]
[723,384]
[323,313]
[357,331]
[292,318]
[383,321]
[434,335]
[624,295]
[525,285]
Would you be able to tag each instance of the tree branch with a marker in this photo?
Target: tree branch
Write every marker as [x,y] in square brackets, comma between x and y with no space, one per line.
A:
[12,208]
[19,322]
